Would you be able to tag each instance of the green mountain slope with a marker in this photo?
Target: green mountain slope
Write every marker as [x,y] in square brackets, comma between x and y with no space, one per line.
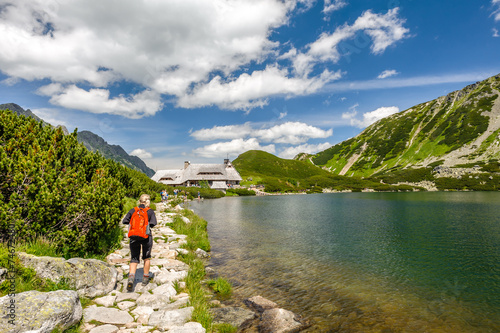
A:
[282,175]
[460,128]
[260,163]
[94,142]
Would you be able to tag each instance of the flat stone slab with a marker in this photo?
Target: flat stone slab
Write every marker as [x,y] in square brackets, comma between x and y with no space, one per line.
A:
[104,329]
[170,264]
[106,301]
[127,296]
[165,289]
[157,301]
[125,305]
[191,327]
[170,276]
[143,310]
[166,320]
[167,231]
[107,315]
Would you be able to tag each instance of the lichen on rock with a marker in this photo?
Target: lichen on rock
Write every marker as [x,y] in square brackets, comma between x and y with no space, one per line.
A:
[90,277]
[40,312]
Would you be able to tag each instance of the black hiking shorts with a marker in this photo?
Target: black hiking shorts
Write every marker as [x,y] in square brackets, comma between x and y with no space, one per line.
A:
[136,244]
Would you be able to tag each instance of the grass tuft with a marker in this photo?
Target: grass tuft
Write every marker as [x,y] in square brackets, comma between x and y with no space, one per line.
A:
[224,328]
[221,287]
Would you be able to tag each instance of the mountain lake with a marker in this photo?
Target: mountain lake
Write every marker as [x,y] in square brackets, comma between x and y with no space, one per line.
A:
[364,262]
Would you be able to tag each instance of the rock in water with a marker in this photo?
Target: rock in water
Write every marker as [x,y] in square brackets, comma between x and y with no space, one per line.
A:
[90,277]
[260,303]
[280,321]
[238,317]
[40,312]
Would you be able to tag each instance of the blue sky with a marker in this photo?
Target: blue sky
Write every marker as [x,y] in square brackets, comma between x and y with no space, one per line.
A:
[199,80]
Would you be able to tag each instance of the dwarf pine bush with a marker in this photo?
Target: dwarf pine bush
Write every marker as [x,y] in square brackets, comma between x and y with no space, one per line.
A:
[51,186]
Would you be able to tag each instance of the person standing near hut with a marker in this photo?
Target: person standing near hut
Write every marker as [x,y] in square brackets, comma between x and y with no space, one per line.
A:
[140,220]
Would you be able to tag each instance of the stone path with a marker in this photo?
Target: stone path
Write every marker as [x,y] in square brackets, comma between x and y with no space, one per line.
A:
[156,307]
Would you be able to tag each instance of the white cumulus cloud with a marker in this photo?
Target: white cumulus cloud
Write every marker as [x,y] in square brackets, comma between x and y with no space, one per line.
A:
[233,147]
[196,52]
[141,153]
[387,73]
[291,133]
[333,5]
[384,30]
[223,132]
[97,100]
[252,90]
[370,117]
[288,133]
[291,152]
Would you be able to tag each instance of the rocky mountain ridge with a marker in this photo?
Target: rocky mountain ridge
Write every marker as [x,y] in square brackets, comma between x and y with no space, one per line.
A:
[461,128]
[94,142]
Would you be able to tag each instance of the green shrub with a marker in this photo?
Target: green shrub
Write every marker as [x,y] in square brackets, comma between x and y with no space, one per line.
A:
[52,186]
[315,189]
[240,192]
[406,175]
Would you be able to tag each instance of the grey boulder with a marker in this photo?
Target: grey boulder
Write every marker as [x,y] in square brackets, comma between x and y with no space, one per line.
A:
[90,277]
[39,312]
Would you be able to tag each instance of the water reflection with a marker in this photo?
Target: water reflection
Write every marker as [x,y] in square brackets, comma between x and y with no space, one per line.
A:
[365,262]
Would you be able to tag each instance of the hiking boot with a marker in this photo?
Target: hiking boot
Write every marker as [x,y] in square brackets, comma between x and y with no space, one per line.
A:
[147,278]
[130,282]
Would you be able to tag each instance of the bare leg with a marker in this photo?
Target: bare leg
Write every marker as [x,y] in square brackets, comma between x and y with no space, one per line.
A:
[147,265]
[133,268]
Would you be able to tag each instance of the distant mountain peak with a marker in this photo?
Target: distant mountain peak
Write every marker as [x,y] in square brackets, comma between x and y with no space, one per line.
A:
[94,142]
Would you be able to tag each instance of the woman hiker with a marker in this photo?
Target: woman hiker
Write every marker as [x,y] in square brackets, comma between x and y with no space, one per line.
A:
[140,239]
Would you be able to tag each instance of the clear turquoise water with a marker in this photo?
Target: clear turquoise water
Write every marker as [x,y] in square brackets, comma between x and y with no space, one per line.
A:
[365,262]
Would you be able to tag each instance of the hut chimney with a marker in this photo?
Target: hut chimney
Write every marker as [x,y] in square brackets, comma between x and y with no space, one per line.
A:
[186,164]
